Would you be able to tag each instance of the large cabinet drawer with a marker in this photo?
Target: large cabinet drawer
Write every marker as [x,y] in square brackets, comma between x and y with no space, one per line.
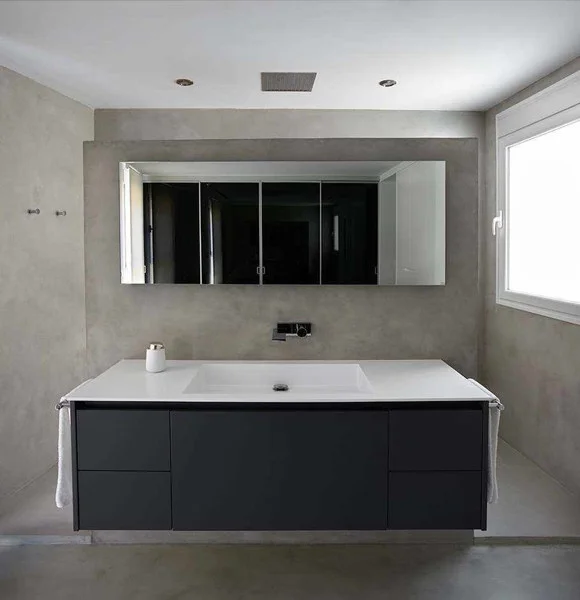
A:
[436,500]
[123,440]
[430,440]
[124,500]
[279,470]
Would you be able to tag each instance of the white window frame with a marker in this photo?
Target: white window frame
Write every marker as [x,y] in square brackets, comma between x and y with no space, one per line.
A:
[557,106]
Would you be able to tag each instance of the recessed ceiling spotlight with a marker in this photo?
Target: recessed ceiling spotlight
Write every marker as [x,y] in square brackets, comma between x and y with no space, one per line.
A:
[183,82]
[387,83]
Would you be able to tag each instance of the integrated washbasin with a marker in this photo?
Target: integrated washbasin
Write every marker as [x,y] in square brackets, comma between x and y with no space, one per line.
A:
[312,380]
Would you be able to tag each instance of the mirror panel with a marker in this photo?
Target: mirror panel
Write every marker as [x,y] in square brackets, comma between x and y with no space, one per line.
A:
[291,232]
[230,237]
[349,233]
[171,220]
[297,223]
[412,225]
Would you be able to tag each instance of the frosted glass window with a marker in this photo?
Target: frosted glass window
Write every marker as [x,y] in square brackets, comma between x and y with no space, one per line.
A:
[543,215]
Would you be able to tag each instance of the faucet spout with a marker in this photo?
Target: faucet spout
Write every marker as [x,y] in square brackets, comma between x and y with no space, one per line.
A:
[283,331]
[277,336]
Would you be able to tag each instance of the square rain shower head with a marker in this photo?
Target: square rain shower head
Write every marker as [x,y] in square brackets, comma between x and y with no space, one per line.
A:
[288,82]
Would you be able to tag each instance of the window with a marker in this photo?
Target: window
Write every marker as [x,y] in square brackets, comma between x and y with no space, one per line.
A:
[538,267]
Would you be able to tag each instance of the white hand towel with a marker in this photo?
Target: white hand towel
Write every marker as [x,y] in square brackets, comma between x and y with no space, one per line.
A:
[493,433]
[63,495]
[492,492]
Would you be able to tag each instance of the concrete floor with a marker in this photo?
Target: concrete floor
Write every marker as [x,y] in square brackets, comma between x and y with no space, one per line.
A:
[31,517]
[290,572]
[532,506]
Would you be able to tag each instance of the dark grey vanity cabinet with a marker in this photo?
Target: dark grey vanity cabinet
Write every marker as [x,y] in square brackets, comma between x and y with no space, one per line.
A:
[435,500]
[437,468]
[124,500]
[123,462]
[123,439]
[279,467]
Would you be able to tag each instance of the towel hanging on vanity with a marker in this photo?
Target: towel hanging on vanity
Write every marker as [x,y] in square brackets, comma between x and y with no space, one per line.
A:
[495,408]
[494,415]
[63,495]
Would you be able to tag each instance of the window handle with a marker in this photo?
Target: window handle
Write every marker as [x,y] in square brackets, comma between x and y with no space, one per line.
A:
[497,223]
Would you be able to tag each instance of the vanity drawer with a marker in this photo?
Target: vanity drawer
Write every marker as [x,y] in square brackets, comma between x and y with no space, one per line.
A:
[124,500]
[429,440]
[122,440]
[439,500]
[291,470]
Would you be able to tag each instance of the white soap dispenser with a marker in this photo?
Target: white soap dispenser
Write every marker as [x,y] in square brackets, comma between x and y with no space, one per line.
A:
[155,358]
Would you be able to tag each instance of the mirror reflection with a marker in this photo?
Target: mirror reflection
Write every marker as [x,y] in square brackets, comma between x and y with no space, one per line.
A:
[230,238]
[349,233]
[291,232]
[348,223]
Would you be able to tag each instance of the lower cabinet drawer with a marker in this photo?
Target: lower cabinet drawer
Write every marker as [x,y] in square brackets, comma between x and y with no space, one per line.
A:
[124,500]
[435,500]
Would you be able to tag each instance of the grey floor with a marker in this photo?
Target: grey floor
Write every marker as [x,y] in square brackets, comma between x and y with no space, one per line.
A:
[531,504]
[290,572]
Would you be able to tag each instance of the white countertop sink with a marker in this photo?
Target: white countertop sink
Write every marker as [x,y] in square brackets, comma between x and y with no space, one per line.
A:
[311,380]
[198,381]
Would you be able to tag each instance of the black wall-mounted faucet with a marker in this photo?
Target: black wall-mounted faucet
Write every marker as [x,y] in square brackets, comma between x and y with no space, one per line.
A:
[285,330]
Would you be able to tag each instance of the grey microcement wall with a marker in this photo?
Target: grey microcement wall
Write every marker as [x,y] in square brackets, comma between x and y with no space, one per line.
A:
[42,323]
[193,124]
[236,321]
[531,361]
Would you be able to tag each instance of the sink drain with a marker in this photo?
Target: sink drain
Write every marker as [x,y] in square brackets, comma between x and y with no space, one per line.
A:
[280,387]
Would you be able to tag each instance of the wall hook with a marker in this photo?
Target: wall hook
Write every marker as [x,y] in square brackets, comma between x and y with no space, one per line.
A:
[33,211]
[60,213]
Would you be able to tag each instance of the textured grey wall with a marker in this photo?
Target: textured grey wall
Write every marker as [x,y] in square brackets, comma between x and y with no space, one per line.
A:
[183,124]
[530,361]
[42,320]
[236,321]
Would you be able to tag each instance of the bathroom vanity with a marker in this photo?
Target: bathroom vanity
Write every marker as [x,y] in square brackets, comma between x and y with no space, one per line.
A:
[369,445]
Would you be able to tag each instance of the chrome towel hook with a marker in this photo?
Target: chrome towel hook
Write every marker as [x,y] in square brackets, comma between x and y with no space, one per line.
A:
[60,213]
[33,211]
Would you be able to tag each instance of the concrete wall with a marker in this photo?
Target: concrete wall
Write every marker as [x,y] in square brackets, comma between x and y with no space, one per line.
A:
[213,322]
[183,124]
[42,324]
[530,361]
[193,124]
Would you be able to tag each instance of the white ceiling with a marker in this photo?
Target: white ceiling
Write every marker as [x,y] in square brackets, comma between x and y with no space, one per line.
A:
[447,55]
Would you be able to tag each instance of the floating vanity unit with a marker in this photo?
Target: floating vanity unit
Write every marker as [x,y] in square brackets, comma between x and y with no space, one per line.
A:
[211,446]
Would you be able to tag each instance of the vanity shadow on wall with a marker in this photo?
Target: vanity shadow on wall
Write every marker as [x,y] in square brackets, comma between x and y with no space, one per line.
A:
[298,223]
